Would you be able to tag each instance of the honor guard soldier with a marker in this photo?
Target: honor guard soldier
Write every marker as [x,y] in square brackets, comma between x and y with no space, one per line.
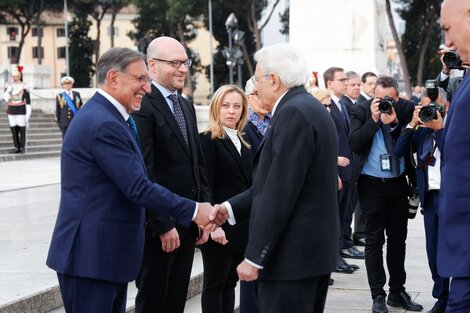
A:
[68,102]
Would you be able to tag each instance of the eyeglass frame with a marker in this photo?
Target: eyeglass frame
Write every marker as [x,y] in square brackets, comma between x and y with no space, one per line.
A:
[175,63]
[142,79]
[343,80]
[254,79]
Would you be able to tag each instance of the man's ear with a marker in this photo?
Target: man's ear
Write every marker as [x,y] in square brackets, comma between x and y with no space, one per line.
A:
[111,78]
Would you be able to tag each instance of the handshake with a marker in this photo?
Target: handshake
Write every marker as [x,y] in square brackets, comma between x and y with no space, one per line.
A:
[210,217]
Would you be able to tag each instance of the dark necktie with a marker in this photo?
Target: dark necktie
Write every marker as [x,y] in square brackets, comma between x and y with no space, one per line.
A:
[133,127]
[346,118]
[428,149]
[388,139]
[178,113]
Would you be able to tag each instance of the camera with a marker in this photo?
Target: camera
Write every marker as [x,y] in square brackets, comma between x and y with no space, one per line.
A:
[386,104]
[413,201]
[452,60]
[429,112]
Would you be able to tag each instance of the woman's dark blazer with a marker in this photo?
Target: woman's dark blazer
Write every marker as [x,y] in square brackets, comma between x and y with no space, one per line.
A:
[228,173]
[254,137]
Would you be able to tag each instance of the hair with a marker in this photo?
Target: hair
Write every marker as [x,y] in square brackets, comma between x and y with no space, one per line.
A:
[329,74]
[116,59]
[321,94]
[351,75]
[286,61]
[215,125]
[365,75]
[387,82]
[249,87]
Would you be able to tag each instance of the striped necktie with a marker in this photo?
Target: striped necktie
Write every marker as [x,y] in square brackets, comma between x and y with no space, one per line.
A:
[133,127]
[178,113]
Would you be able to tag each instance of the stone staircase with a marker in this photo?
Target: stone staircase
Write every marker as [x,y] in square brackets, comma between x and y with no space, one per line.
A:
[43,138]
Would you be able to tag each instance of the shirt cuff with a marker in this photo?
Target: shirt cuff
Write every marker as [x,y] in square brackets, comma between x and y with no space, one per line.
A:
[231,218]
[443,76]
[195,211]
[253,264]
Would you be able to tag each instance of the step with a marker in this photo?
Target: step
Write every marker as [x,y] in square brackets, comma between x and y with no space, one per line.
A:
[32,125]
[27,156]
[47,129]
[35,148]
[7,142]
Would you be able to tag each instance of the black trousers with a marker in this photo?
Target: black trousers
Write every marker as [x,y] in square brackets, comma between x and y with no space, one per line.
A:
[345,214]
[385,207]
[164,277]
[220,280]
[299,296]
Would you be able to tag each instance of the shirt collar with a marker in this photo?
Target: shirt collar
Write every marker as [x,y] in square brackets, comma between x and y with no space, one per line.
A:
[277,102]
[165,92]
[365,95]
[116,104]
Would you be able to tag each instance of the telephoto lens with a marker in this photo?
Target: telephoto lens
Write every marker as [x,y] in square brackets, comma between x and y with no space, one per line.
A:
[386,104]
[413,203]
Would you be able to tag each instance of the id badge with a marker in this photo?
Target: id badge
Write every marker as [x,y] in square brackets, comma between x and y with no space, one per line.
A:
[385,162]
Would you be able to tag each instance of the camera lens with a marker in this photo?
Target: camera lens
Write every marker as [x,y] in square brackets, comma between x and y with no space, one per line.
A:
[427,114]
[385,106]
[452,60]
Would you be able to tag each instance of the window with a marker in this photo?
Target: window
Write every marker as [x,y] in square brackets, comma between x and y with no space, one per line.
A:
[36,52]
[60,32]
[12,32]
[35,31]
[61,52]
[12,51]
[116,31]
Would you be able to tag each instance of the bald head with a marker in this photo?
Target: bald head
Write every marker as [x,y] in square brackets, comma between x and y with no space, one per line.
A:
[455,21]
[164,47]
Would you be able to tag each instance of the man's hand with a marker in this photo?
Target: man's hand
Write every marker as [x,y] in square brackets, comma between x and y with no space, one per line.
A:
[247,272]
[415,121]
[374,109]
[205,216]
[340,183]
[170,240]
[435,124]
[445,69]
[343,162]
[220,214]
[389,118]
[218,236]
[203,237]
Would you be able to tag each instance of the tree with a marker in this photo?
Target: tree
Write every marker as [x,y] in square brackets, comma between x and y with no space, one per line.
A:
[284,18]
[24,13]
[420,40]
[81,50]
[116,5]
[403,61]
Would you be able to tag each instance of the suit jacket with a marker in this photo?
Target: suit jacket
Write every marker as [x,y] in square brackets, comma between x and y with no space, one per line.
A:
[254,137]
[342,128]
[168,160]
[348,103]
[229,173]
[453,255]
[450,85]
[414,141]
[363,129]
[361,98]
[63,113]
[294,222]
[99,231]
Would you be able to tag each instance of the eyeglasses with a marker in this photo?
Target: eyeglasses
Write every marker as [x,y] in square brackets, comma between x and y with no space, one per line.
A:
[176,63]
[142,79]
[255,79]
[343,80]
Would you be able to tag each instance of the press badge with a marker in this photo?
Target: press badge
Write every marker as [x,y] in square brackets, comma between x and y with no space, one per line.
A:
[385,162]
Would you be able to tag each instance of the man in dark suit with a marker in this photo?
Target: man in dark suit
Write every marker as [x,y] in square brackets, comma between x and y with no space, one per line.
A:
[425,140]
[68,102]
[98,240]
[336,82]
[382,189]
[173,158]
[294,225]
[368,80]
[453,254]
[353,91]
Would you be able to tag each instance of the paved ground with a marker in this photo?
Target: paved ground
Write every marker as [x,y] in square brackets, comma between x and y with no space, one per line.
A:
[29,198]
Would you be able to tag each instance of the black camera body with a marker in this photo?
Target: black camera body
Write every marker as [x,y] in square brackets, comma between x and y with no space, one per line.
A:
[386,104]
[429,112]
[452,60]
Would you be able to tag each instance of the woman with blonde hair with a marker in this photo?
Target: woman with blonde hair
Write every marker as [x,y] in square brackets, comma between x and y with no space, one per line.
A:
[228,169]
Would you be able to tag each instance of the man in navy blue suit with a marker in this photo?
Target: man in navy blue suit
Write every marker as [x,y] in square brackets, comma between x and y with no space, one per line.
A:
[425,141]
[98,241]
[453,254]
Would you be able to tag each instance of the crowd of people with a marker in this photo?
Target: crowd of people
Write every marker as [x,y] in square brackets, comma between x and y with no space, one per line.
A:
[268,191]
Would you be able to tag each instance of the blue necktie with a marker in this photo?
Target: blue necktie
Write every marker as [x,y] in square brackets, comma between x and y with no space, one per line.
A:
[133,127]
[389,143]
[178,113]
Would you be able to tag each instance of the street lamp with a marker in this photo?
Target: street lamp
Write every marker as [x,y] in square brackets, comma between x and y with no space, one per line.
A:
[233,55]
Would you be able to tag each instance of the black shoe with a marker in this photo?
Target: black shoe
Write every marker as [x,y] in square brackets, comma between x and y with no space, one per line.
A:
[331,282]
[16,150]
[341,267]
[404,301]
[437,309]
[360,241]
[379,306]
[353,266]
[352,253]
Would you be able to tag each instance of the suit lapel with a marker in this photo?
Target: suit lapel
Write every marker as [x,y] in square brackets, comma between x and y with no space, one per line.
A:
[160,104]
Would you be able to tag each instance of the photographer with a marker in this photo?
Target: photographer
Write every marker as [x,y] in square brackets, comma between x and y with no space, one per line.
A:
[424,137]
[450,61]
[383,190]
